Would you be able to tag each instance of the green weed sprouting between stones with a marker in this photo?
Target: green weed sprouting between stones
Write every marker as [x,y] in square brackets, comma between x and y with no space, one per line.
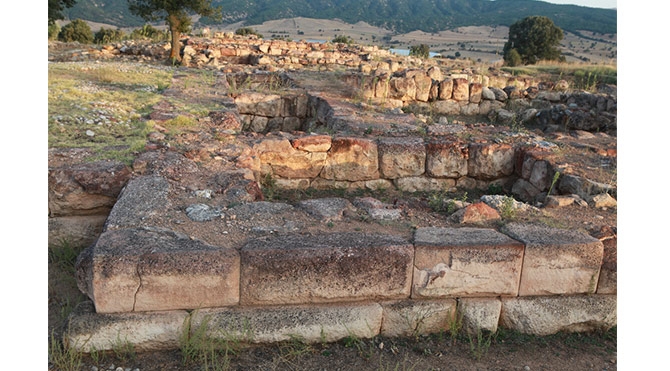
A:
[123,349]
[553,182]
[197,346]
[507,210]
[62,357]
[480,346]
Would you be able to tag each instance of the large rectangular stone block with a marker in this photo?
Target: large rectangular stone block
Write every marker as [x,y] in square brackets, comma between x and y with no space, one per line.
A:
[310,323]
[417,317]
[557,261]
[87,331]
[298,269]
[401,157]
[461,262]
[151,269]
[351,159]
[547,315]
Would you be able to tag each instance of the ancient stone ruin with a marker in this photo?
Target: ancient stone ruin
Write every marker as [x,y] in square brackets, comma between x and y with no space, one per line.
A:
[192,239]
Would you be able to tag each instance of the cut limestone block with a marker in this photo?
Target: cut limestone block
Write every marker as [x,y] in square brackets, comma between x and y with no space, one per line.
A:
[401,157]
[557,261]
[607,284]
[296,269]
[311,324]
[142,198]
[88,331]
[351,159]
[546,315]
[479,314]
[462,262]
[148,269]
[417,317]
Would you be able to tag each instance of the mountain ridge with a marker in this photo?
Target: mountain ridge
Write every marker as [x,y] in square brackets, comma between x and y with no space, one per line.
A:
[395,15]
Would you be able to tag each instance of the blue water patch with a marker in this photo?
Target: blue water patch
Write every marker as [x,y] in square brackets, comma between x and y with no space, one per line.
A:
[405,52]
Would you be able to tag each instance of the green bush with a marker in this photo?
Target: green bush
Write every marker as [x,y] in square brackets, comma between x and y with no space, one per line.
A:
[106,36]
[421,51]
[148,32]
[54,30]
[512,58]
[343,39]
[76,30]
[246,31]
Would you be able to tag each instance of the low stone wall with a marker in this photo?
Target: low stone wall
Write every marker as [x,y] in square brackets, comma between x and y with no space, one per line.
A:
[147,284]
[414,164]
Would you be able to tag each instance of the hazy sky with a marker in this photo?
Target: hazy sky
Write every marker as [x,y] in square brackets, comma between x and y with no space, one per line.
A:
[607,4]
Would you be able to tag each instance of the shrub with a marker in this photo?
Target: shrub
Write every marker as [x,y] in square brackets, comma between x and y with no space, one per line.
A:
[105,36]
[512,58]
[54,30]
[148,32]
[76,30]
[421,51]
[246,31]
[343,39]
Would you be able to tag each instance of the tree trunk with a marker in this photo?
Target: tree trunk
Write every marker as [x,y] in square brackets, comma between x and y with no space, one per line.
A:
[174,23]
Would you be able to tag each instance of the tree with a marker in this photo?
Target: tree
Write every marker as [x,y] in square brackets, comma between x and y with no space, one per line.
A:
[421,51]
[176,14]
[76,30]
[56,8]
[533,38]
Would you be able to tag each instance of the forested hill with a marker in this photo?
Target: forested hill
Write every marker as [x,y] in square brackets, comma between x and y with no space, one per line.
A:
[397,15]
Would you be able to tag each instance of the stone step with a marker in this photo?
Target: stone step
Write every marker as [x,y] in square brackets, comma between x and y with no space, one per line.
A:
[88,331]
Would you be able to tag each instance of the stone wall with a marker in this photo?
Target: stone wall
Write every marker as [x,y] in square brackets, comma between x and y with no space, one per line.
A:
[414,164]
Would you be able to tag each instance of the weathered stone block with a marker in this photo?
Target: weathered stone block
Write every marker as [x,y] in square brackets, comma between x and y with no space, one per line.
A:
[142,198]
[89,332]
[279,157]
[557,261]
[148,269]
[298,269]
[447,159]
[446,88]
[607,283]
[480,314]
[475,92]
[462,262]
[351,159]
[268,105]
[422,183]
[401,157]
[312,324]
[461,90]
[417,317]
[490,160]
[313,143]
[544,315]
[85,189]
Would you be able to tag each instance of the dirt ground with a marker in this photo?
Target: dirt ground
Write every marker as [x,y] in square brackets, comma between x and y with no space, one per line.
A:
[501,351]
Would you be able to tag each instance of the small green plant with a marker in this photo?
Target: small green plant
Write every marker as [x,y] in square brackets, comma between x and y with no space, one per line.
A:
[455,326]
[62,357]
[295,347]
[553,182]
[97,356]
[198,347]
[507,208]
[123,349]
[480,346]
[269,187]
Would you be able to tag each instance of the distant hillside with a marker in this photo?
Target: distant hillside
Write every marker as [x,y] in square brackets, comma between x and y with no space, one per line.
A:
[397,15]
